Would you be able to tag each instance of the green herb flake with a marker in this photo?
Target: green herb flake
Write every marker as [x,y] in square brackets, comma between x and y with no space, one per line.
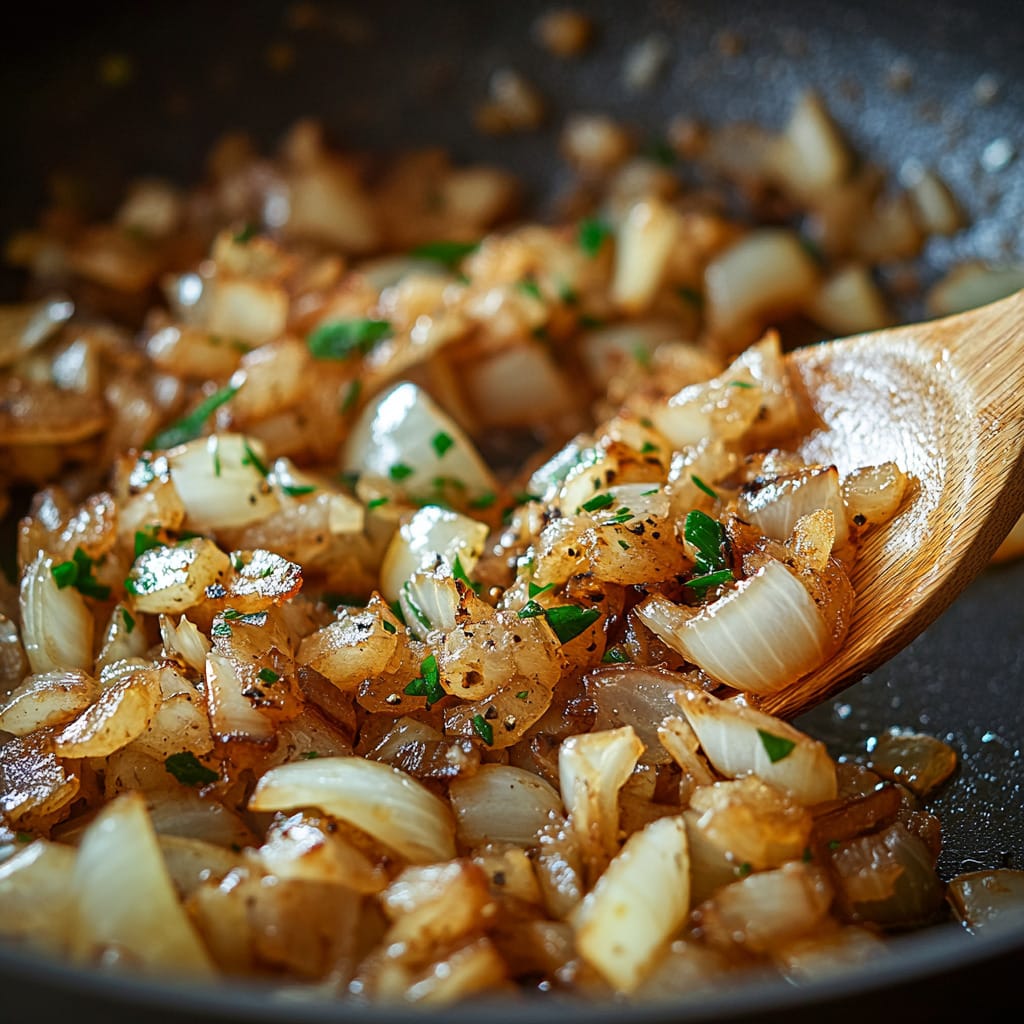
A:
[529,286]
[808,855]
[592,235]
[711,579]
[417,688]
[690,296]
[569,620]
[615,656]
[78,573]
[523,695]
[189,427]
[482,501]
[250,458]
[536,591]
[776,747]
[247,234]
[622,515]
[431,679]
[268,675]
[647,494]
[598,502]
[451,254]
[128,619]
[441,442]
[220,629]
[707,537]
[400,471]
[348,403]
[483,729]
[309,755]
[65,574]
[297,490]
[146,539]
[642,355]
[833,844]
[648,448]
[376,503]
[216,456]
[530,610]
[740,384]
[744,869]
[340,339]
[185,767]
[459,572]
[623,545]
[698,483]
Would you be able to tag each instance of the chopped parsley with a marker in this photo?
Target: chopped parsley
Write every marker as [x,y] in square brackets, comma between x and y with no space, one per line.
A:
[147,539]
[569,620]
[483,729]
[220,629]
[78,573]
[691,296]
[703,486]
[459,572]
[441,442]
[598,502]
[615,656]
[648,447]
[707,537]
[247,233]
[536,591]
[400,471]
[389,627]
[776,747]
[185,767]
[297,490]
[709,579]
[622,515]
[189,427]
[428,684]
[740,384]
[250,458]
[624,545]
[482,501]
[744,869]
[642,355]
[592,235]
[309,755]
[268,675]
[348,403]
[523,695]
[339,339]
[530,610]
[376,503]
[451,254]
[529,286]
[129,620]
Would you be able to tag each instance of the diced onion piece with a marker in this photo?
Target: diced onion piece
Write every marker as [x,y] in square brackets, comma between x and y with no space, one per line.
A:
[180,723]
[37,894]
[811,156]
[502,804]
[767,908]
[638,904]
[56,626]
[827,952]
[121,714]
[49,699]
[403,436]
[764,274]
[219,481]
[517,387]
[354,647]
[921,763]
[680,741]
[33,782]
[192,863]
[740,740]
[937,210]
[232,716]
[973,284]
[27,325]
[592,768]
[184,813]
[429,601]
[608,349]
[873,494]
[185,642]
[850,302]
[762,634]
[172,579]
[987,900]
[433,534]
[253,310]
[125,898]
[382,801]
[775,506]
[645,240]
[262,579]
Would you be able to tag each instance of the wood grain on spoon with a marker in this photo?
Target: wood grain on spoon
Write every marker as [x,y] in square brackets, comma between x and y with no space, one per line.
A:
[944,401]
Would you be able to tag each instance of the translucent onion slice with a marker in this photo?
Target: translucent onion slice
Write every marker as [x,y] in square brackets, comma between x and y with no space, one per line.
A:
[379,799]
[221,482]
[37,895]
[56,626]
[172,579]
[33,783]
[403,435]
[432,535]
[429,601]
[761,635]
[738,740]
[873,494]
[987,900]
[637,905]
[49,699]
[25,326]
[775,506]
[184,642]
[503,804]
[592,768]
[642,250]
[232,716]
[353,648]
[125,897]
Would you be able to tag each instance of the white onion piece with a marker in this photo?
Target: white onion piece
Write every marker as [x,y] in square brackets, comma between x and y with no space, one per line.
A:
[49,699]
[184,642]
[850,302]
[592,768]
[608,349]
[775,507]
[762,634]
[739,740]
[26,325]
[180,723]
[171,579]
[429,602]
[573,457]
[220,483]
[232,716]
[122,641]
[810,156]
[125,897]
[248,308]
[873,494]
[381,800]
[517,386]
[56,626]
[432,534]
[937,210]
[973,284]
[988,900]
[767,272]
[680,741]
[349,650]
[185,813]
[502,804]
[37,894]
[638,904]
[643,244]
[400,430]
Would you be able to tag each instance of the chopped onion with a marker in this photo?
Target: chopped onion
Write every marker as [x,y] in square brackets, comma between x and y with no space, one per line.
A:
[775,506]
[184,642]
[37,893]
[56,626]
[811,156]
[380,800]
[873,494]
[354,647]
[973,284]
[121,714]
[232,715]
[850,302]
[502,804]
[25,326]
[638,904]
[172,579]
[645,240]
[740,740]
[519,386]
[48,699]
[987,900]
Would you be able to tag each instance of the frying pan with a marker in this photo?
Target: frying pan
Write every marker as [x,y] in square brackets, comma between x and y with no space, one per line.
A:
[929,81]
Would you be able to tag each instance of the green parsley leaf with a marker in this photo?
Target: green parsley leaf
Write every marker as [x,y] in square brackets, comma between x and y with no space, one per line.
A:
[536,591]
[708,580]
[147,539]
[597,502]
[129,620]
[268,675]
[459,572]
[339,339]
[744,869]
[189,427]
[483,729]
[250,458]
[622,515]
[592,235]
[432,679]
[569,620]
[624,545]
[78,573]
[376,503]
[451,254]
[297,490]
[615,656]
[529,286]
[703,486]
[482,501]
[185,767]
[530,610]
[648,448]
[523,695]
[691,296]
[400,471]
[309,755]
[707,537]
[776,747]
[348,403]
[740,384]
[441,442]
[65,574]
[247,233]
[417,688]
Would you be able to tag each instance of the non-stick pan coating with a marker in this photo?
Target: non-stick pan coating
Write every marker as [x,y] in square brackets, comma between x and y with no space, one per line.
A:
[932,82]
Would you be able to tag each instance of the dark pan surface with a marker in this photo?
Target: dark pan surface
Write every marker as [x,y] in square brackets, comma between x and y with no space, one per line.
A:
[908,81]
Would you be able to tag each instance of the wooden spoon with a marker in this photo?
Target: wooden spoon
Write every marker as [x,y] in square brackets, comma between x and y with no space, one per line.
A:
[945,401]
